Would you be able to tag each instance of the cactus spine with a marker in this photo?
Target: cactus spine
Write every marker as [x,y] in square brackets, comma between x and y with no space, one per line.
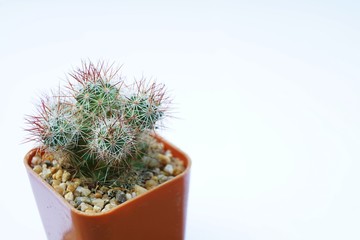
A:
[100,123]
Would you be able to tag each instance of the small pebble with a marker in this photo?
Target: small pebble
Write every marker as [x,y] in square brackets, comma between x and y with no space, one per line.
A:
[139,190]
[162,178]
[58,174]
[153,163]
[163,159]
[37,169]
[168,153]
[47,156]
[59,189]
[66,176]
[84,206]
[169,169]
[128,196]
[120,197]
[45,173]
[178,169]
[107,207]
[80,200]
[98,195]
[83,191]
[98,202]
[63,186]
[150,184]
[53,170]
[69,196]
[36,160]
[55,183]
[70,187]
[97,209]
[77,181]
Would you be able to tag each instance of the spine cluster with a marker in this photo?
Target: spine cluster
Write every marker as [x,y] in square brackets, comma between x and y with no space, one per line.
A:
[99,120]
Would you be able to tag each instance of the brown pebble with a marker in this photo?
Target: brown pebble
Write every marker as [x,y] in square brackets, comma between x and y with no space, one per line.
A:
[66,176]
[37,169]
[55,183]
[53,170]
[70,187]
[77,181]
[98,195]
[59,189]
[58,174]
[150,184]
[163,159]
[47,156]
[178,169]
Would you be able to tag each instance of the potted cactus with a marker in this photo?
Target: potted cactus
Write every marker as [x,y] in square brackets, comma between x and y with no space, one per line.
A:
[99,170]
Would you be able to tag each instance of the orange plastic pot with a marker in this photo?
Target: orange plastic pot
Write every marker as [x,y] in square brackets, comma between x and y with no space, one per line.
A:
[157,214]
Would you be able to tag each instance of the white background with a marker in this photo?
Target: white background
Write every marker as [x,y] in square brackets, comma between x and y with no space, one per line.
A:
[266,99]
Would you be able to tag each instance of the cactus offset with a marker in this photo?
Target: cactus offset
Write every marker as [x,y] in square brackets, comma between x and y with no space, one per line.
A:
[100,123]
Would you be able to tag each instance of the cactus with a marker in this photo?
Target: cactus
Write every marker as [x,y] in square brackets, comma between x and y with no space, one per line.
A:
[100,122]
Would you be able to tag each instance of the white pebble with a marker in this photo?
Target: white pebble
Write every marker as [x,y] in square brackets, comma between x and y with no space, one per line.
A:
[58,174]
[98,202]
[63,186]
[139,190]
[169,169]
[85,206]
[83,191]
[55,163]
[69,196]
[45,173]
[108,207]
[128,196]
[97,209]
[36,160]
[66,176]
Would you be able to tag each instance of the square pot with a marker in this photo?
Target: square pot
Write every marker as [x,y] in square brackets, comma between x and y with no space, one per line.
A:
[159,214]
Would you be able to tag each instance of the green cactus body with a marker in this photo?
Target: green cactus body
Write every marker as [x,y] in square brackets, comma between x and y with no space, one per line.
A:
[141,112]
[58,127]
[100,128]
[112,140]
[99,98]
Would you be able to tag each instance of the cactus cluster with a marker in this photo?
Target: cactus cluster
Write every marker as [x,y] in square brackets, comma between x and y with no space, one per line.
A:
[99,122]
